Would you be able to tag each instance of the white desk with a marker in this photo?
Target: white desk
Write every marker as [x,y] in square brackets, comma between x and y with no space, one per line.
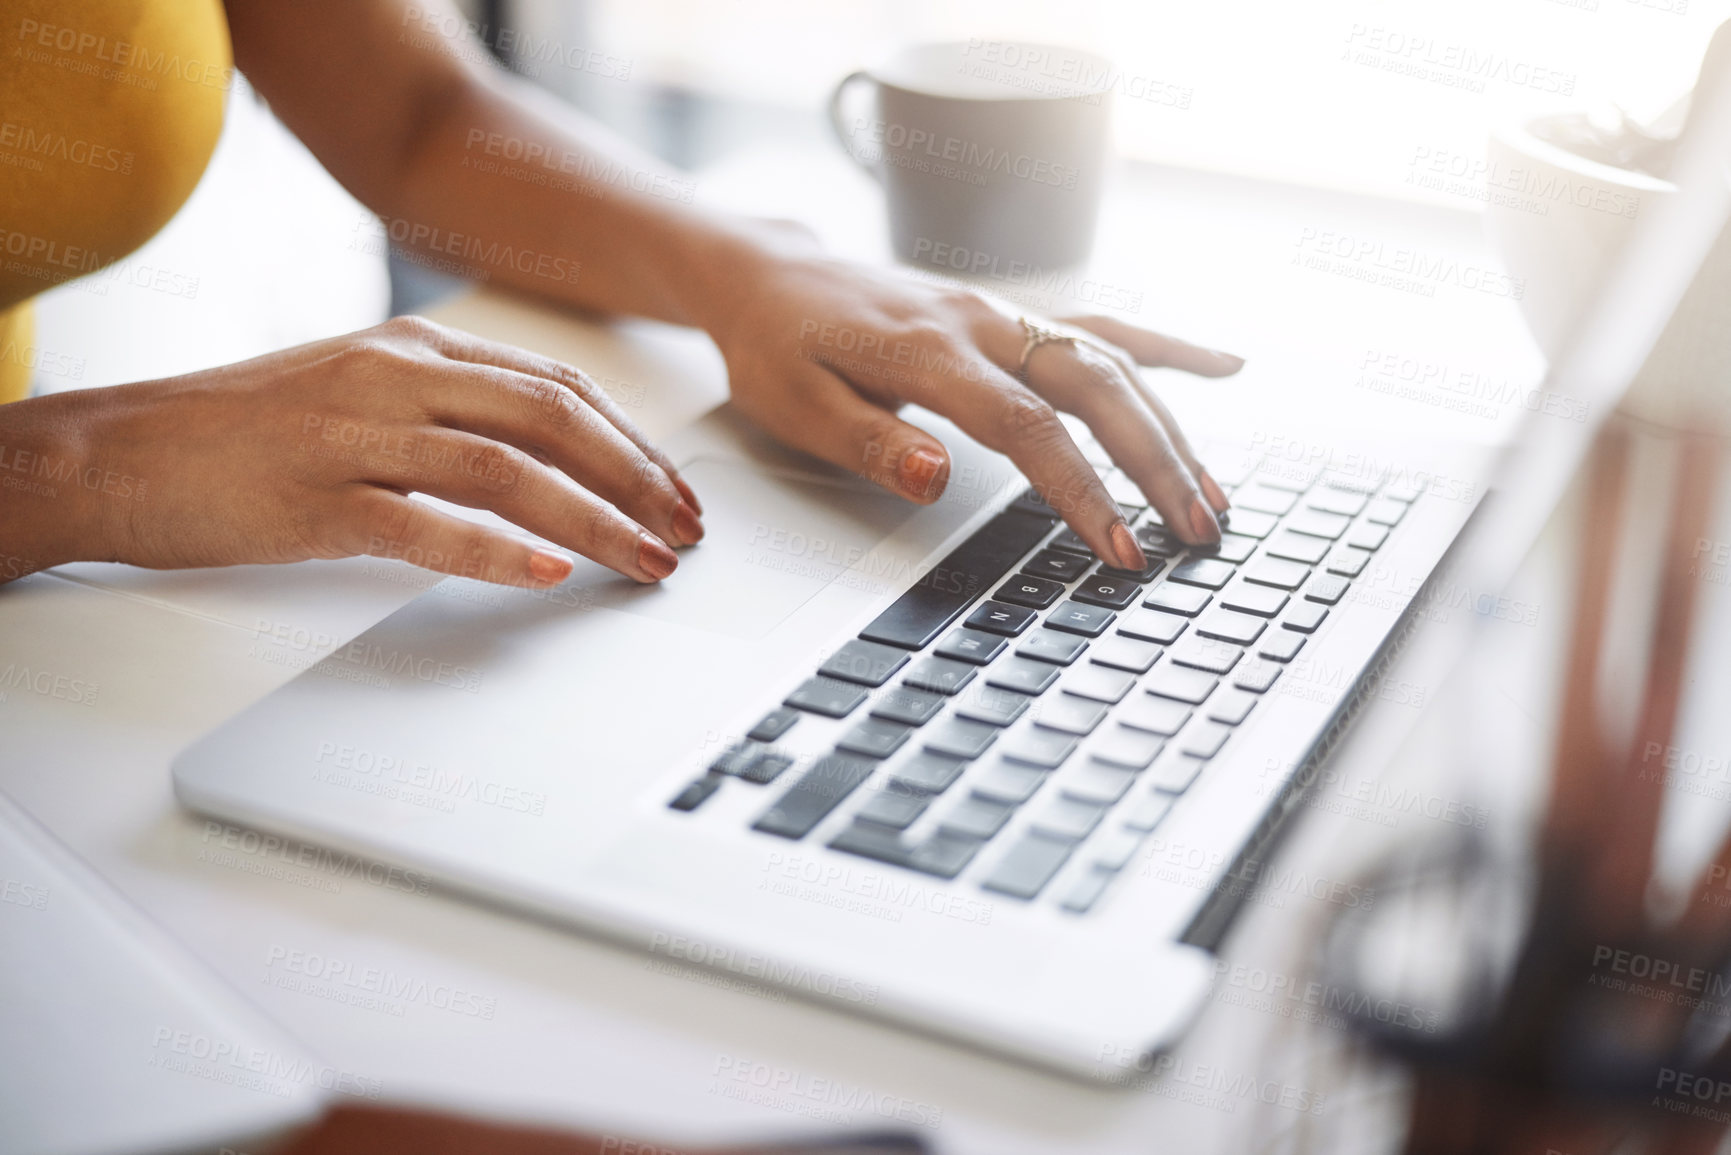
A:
[585,1034]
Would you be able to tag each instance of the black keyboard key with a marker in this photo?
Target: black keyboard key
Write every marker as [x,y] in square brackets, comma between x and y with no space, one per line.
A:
[1305,617]
[1234,548]
[1023,675]
[826,696]
[1201,653]
[893,808]
[1010,782]
[1075,618]
[1034,592]
[1231,626]
[1156,626]
[1327,589]
[1067,541]
[774,724]
[1192,686]
[1250,523]
[1156,540]
[766,767]
[940,675]
[878,843]
[1263,601]
[1070,714]
[1142,576]
[1046,749]
[1177,599]
[972,646]
[1057,566]
[944,855]
[1231,706]
[1161,716]
[994,707]
[1052,646]
[1297,547]
[817,792]
[921,613]
[913,707]
[1256,676]
[960,738]
[976,817]
[1277,574]
[1069,819]
[998,618]
[1122,653]
[1348,562]
[874,738]
[1100,589]
[928,772]
[1367,536]
[697,793]
[1281,646]
[1028,867]
[1316,523]
[866,663]
[735,759]
[1207,572]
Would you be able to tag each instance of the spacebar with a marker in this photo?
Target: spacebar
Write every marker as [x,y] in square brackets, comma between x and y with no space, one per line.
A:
[917,617]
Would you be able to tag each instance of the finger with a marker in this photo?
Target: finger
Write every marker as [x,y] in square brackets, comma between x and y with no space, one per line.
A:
[1003,414]
[1210,488]
[552,423]
[391,525]
[458,345]
[469,470]
[1089,381]
[825,417]
[1157,350]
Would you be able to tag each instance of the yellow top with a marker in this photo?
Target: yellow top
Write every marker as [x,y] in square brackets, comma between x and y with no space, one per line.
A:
[109,111]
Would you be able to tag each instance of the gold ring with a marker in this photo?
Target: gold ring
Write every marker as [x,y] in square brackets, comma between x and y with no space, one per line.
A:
[1038,335]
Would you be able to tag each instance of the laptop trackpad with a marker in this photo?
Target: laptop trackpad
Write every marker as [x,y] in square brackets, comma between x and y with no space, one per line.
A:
[772,541]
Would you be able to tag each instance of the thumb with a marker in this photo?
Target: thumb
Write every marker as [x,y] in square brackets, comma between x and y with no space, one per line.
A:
[828,419]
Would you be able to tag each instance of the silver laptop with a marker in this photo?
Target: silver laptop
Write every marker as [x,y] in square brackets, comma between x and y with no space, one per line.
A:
[937,765]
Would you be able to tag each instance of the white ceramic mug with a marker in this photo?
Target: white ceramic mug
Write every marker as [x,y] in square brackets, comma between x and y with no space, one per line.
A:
[991,153]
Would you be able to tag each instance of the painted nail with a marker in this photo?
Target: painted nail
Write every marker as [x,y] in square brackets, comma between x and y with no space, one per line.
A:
[1232,362]
[687,494]
[1202,523]
[1124,544]
[686,525]
[548,566]
[920,469]
[655,559]
[1212,491]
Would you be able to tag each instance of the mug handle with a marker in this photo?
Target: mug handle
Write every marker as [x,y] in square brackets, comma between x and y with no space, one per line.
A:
[839,126]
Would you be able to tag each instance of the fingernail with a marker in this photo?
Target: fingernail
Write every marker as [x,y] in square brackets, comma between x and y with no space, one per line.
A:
[1202,523]
[548,566]
[688,495]
[1212,491]
[1124,544]
[686,525]
[919,472]
[655,559]
[1230,361]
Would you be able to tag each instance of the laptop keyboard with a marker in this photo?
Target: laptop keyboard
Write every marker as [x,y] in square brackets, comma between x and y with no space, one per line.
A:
[1022,675]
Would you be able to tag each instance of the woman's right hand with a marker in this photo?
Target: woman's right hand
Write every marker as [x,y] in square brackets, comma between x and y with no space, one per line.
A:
[312,453]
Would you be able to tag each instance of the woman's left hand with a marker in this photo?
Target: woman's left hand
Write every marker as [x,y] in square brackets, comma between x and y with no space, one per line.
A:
[823,353]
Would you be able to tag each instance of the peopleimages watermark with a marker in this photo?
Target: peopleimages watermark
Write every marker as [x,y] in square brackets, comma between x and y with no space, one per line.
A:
[1015,277]
[886,895]
[526,51]
[1446,63]
[30,896]
[954,157]
[764,969]
[1312,1001]
[254,1068]
[96,54]
[1370,799]
[533,162]
[1528,188]
[1252,880]
[409,779]
[1460,390]
[31,148]
[69,688]
[1058,72]
[367,987]
[1204,1084]
[815,1097]
[459,254]
[1398,267]
[254,852]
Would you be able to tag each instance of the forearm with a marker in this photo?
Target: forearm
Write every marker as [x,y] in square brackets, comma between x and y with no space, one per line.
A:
[58,499]
[519,191]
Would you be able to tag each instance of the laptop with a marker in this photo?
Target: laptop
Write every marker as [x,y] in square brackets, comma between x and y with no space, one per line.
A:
[937,765]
